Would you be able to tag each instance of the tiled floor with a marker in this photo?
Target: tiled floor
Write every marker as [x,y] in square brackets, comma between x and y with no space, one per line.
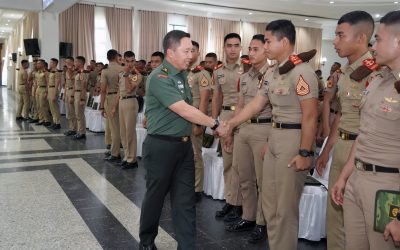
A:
[56,193]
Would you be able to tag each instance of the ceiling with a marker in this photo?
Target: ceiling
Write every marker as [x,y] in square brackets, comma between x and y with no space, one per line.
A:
[8,21]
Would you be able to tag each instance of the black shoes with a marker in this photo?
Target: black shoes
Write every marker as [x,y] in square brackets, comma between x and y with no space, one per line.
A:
[234,215]
[224,211]
[240,226]
[108,146]
[33,121]
[55,126]
[112,158]
[198,196]
[148,247]
[47,124]
[79,136]
[70,132]
[129,165]
[19,118]
[258,235]
[39,123]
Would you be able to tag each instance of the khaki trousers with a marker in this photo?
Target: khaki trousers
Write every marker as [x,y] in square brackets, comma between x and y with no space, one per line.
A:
[197,143]
[113,123]
[43,107]
[334,214]
[248,145]
[34,111]
[80,113]
[107,132]
[282,189]
[128,110]
[359,206]
[54,108]
[23,102]
[69,101]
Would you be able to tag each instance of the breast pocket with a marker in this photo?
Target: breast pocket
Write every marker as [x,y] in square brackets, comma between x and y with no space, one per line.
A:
[244,89]
[388,110]
[280,95]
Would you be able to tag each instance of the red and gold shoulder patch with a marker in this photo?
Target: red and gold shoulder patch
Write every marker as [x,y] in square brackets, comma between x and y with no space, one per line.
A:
[218,66]
[329,84]
[371,64]
[245,61]
[302,87]
[295,59]
[197,69]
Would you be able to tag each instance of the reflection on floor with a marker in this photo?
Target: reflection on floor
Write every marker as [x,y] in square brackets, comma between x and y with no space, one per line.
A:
[56,193]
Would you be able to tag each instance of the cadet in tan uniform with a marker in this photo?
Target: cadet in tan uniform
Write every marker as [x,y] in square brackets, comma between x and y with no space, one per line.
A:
[374,160]
[92,77]
[225,97]
[41,94]
[128,107]
[353,33]
[69,96]
[199,81]
[109,88]
[23,92]
[80,89]
[32,92]
[54,80]
[249,142]
[210,61]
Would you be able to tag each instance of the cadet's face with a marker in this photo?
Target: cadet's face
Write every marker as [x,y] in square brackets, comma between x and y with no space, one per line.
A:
[345,40]
[77,63]
[53,64]
[232,48]
[119,60]
[387,45]
[130,62]
[155,62]
[210,63]
[257,52]
[182,55]
[273,47]
[40,65]
[195,54]
[99,67]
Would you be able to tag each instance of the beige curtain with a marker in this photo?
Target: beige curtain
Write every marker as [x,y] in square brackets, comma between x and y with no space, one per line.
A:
[198,29]
[307,39]
[119,22]
[219,28]
[153,28]
[248,31]
[31,25]
[77,27]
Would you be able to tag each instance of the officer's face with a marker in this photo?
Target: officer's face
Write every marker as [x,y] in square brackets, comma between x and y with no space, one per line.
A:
[155,62]
[182,55]
[257,52]
[346,40]
[273,46]
[387,45]
[232,48]
[130,62]
[210,63]
[195,54]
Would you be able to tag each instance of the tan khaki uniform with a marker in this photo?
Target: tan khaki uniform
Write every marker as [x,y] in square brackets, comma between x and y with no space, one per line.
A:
[80,96]
[34,111]
[282,186]
[109,77]
[23,101]
[198,80]
[69,100]
[54,77]
[226,78]
[92,81]
[252,137]
[41,99]
[128,110]
[378,143]
[331,87]
[348,97]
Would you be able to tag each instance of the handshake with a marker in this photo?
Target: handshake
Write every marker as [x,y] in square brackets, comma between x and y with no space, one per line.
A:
[225,130]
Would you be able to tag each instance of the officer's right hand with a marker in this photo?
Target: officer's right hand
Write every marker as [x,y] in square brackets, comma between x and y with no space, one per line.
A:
[338,191]
[393,229]
[228,144]
[103,113]
[321,162]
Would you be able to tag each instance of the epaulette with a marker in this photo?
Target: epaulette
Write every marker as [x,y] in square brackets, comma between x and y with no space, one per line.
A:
[397,86]
[368,66]
[197,69]
[218,66]
[85,71]
[296,60]
[165,70]
[245,61]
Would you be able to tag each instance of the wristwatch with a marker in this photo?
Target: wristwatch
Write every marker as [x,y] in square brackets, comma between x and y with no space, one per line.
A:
[125,75]
[216,124]
[305,153]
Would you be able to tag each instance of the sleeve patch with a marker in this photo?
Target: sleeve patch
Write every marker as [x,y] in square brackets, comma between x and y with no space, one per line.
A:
[302,87]
[204,81]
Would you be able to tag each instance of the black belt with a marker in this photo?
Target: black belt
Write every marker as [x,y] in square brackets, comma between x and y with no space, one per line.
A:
[77,90]
[70,88]
[347,136]
[21,84]
[112,93]
[231,108]
[259,120]
[333,111]
[42,86]
[127,97]
[286,125]
[172,138]
[370,167]
[52,86]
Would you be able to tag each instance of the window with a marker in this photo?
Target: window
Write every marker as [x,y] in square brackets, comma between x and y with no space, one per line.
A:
[177,22]
[102,42]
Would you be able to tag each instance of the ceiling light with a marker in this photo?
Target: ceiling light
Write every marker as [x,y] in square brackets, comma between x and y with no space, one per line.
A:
[331,2]
[6,23]
[396,2]
[8,20]
[183,5]
[306,19]
[377,15]
[250,13]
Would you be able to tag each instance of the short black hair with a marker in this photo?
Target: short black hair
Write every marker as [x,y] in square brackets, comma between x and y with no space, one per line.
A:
[24,61]
[259,37]
[92,61]
[338,64]
[129,54]
[42,61]
[143,61]
[245,57]
[100,63]
[112,54]
[213,55]
[282,28]
[69,57]
[55,60]
[81,58]
[356,17]
[391,18]
[196,44]
[119,55]
[159,54]
[173,38]
[232,35]
[318,71]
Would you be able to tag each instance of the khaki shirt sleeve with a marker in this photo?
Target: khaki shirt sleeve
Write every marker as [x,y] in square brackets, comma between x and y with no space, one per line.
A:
[205,80]
[305,83]
[216,76]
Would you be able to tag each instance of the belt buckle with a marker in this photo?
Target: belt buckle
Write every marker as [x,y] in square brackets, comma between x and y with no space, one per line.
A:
[233,108]
[274,125]
[360,165]
[343,136]
[185,139]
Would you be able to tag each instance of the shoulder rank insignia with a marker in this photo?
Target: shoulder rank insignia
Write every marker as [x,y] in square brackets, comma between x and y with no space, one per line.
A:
[165,70]
[162,76]
[261,80]
[134,78]
[218,66]
[245,61]
[296,60]
[368,66]
[197,69]
[302,87]
[329,84]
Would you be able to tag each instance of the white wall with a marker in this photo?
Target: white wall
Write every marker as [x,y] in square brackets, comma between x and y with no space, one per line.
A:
[48,35]
[328,51]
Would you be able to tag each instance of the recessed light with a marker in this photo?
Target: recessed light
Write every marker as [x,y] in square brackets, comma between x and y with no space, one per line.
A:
[250,13]
[331,2]
[6,23]
[377,15]
[8,20]
[183,5]
[396,2]
[306,19]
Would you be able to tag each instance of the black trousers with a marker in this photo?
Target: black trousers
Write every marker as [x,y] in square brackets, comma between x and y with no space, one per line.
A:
[169,168]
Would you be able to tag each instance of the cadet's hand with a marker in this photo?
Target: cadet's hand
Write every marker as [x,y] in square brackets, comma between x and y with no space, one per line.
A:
[71,101]
[264,151]
[82,103]
[144,122]
[103,113]
[53,98]
[321,162]
[113,111]
[338,191]
[45,95]
[197,130]
[393,229]
[300,163]
[228,144]
[224,129]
